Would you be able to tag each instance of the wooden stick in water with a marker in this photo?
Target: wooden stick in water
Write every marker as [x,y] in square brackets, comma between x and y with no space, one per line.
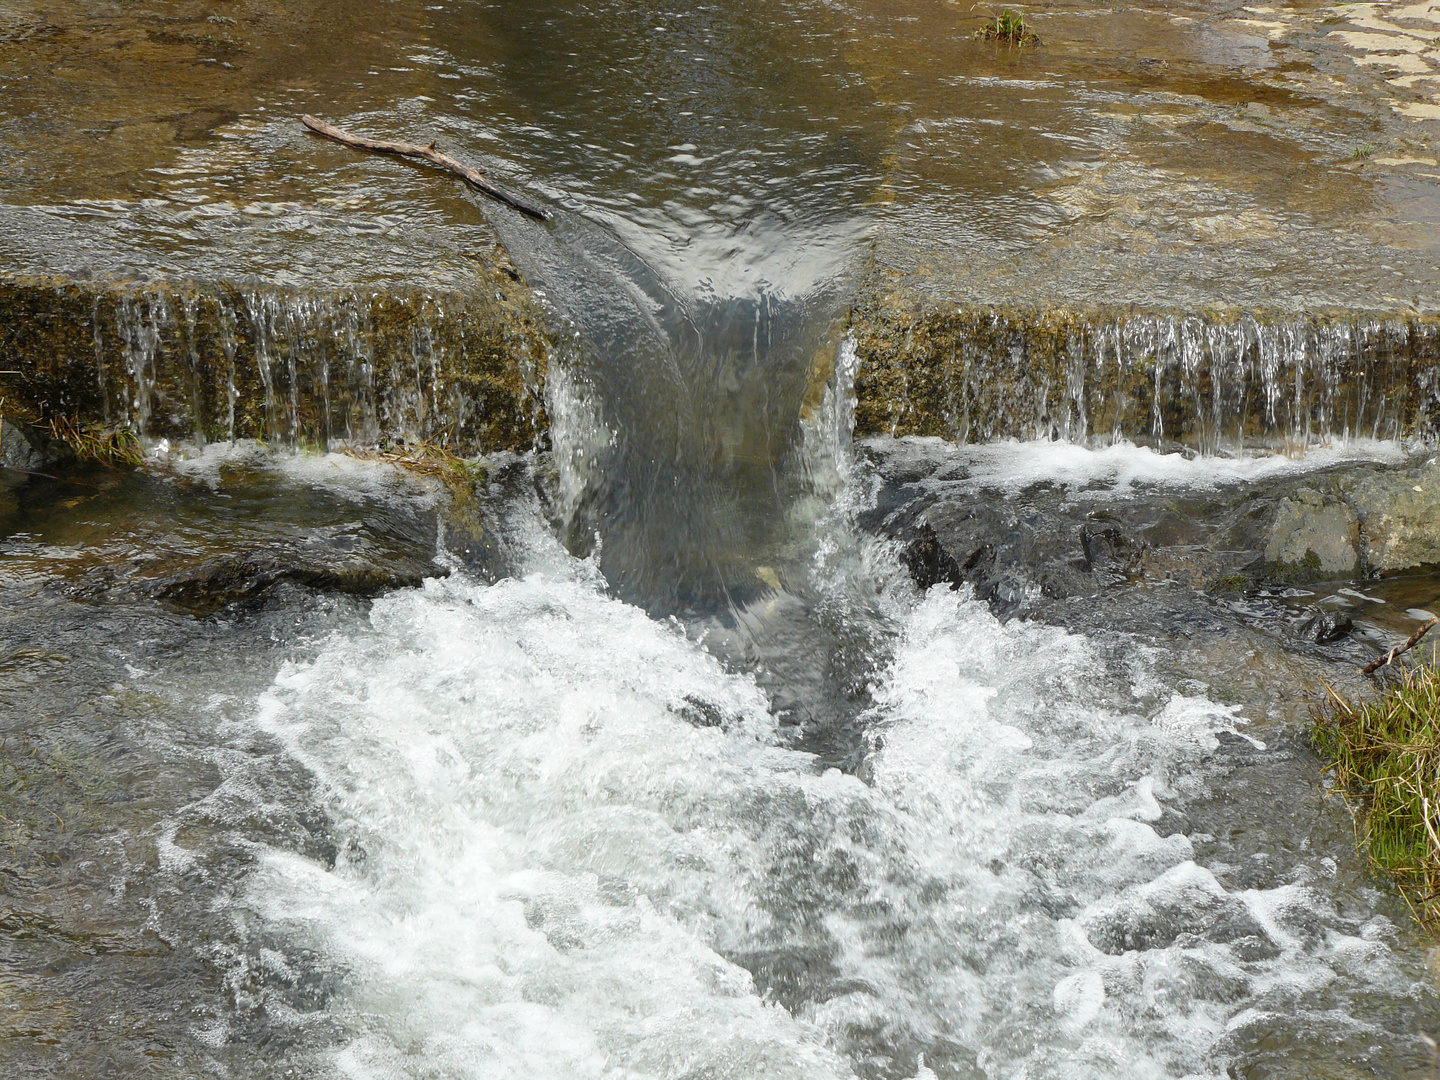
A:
[1377,664]
[473,176]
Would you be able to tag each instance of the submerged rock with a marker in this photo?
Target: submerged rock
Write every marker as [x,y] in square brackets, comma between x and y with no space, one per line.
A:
[1110,552]
[1323,627]
[930,564]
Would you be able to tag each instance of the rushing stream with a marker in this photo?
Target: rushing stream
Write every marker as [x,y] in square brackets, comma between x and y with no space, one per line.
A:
[678,774]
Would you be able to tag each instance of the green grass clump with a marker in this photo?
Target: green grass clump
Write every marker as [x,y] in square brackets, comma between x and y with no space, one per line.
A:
[1009,27]
[1385,755]
[90,442]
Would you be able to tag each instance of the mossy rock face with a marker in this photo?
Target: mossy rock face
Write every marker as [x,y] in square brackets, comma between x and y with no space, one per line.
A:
[1314,537]
[1208,380]
[292,367]
[1400,516]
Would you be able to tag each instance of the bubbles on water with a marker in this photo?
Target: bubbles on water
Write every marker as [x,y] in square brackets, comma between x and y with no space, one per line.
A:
[571,844]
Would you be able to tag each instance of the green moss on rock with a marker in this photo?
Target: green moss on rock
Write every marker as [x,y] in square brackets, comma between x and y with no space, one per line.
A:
[297,367]
[1205,379]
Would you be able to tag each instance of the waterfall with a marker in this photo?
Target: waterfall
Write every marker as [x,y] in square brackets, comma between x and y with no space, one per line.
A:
[294,367]
[1214,383]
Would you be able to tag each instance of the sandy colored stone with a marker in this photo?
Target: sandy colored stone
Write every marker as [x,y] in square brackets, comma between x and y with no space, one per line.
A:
[1400,517]
[1315,533]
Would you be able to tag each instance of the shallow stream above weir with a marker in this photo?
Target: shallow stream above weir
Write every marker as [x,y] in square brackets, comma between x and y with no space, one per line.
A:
[915,491]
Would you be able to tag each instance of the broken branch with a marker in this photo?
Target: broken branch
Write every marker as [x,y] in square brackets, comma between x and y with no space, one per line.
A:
[468,173]
[1414,639]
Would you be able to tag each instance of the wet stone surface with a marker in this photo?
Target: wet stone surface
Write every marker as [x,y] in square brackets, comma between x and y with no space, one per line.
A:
[1197,155]
[117,847]
[140,614]
[1286,557]
[201,543]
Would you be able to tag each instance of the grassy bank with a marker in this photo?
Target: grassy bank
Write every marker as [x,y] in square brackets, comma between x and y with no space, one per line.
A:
[1385,755]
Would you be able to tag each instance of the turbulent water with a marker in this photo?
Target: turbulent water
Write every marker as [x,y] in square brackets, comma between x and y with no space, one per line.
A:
[674,773]
[563,839]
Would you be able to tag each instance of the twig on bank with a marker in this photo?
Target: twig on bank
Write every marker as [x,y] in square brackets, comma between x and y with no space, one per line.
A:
[1411,642]
[468,173]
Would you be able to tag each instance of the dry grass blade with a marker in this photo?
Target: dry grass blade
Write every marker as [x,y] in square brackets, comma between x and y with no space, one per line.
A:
[93,443]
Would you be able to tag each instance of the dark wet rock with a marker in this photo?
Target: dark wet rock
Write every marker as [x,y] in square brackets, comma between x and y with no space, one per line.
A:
[359,568]
[930,564]
[1198,566]
[1166,563]
[18,460]
[230,580]
[1003,555]
[1322,627]
[698,712]
[22,451]
[1110,552]
[226,537]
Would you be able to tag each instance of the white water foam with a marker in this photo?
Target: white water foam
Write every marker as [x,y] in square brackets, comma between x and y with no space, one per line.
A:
[563,824]
[344,474]
[1120,467]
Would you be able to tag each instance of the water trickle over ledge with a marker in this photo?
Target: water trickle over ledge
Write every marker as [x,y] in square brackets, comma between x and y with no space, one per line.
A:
[368,366]
[311,367]
[1212,381]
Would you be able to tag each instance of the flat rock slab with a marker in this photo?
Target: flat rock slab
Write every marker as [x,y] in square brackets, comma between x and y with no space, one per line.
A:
[1187,156]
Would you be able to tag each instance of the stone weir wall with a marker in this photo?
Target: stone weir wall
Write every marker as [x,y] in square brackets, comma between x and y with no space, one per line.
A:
[293,367]
[1211,381]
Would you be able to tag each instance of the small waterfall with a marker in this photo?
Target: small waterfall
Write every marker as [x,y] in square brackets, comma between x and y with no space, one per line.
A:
[1211,382]
[292,367]
[141,322]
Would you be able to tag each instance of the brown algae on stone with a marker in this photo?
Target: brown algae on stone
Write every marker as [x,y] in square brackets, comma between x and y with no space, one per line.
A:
[294,367]
[1207,380]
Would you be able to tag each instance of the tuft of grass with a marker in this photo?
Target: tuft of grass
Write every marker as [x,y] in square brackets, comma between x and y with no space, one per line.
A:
[90,442]
[1360,153]
[1010,28]
[1385,756]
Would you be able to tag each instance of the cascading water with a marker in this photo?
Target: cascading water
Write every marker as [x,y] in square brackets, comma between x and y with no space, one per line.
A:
[688,779]
[307,368]
[570,841]
[715,793]
[1217,384]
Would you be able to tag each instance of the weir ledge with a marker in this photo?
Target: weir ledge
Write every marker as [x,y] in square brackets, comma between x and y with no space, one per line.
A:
[1212,381]
[317,366]
[392,365]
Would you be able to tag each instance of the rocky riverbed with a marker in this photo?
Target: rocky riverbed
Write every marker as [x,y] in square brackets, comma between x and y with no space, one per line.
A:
[842,598]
